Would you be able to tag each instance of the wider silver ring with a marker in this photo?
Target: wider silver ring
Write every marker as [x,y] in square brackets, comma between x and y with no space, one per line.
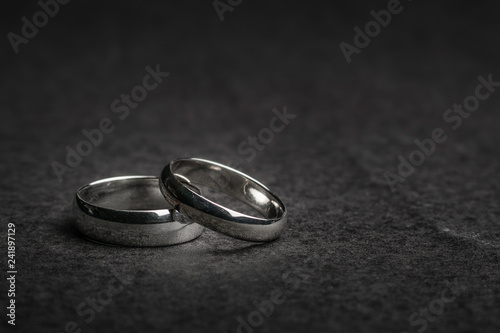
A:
[215,216]
[130,211]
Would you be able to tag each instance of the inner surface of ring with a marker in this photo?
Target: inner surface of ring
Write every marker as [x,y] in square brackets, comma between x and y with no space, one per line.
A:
[232,183]
[126,194]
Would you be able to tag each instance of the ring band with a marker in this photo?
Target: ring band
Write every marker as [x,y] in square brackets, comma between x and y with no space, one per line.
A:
[215,216]
[130,211]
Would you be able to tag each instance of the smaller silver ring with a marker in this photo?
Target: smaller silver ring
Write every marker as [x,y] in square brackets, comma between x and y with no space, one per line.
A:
[215,216]
[131,211]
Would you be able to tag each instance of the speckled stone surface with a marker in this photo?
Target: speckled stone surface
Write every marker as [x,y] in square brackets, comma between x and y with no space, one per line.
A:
[356,256]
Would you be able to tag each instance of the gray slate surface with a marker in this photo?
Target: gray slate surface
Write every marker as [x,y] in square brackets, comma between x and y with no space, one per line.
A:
[356,256]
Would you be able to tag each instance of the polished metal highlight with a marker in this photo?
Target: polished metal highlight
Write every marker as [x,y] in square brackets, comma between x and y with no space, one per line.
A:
[217,217]
[131,211]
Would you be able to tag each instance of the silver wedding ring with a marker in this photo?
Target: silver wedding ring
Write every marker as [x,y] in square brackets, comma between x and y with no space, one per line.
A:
[215,216]
[152,211]
[130,211]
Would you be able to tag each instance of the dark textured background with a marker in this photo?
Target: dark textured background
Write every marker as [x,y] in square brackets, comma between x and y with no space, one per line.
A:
[382,255]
